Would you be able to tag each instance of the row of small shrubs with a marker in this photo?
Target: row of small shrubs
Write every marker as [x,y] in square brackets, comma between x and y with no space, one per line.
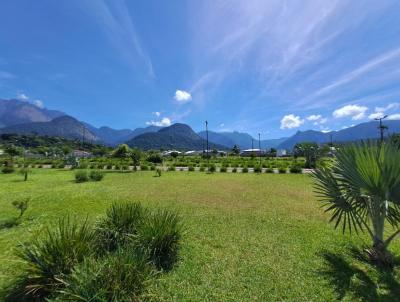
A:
[115,259]
[84,176]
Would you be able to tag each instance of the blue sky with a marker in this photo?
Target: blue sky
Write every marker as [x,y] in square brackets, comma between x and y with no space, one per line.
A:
[272,67]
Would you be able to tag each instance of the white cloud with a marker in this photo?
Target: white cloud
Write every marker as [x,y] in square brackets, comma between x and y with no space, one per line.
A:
[375,115]
[22,97]
[164,122]
[182,96]
[38,103]
[356,112]
[4,75]
[388,107]
[291,121]
[222,125]
[157,113]
[314,117]
[393,117]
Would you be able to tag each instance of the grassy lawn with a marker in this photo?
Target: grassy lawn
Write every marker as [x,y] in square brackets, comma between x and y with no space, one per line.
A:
[248,237]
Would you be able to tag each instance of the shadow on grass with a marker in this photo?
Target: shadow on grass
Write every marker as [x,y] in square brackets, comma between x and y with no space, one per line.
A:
[9,223]
[347,278]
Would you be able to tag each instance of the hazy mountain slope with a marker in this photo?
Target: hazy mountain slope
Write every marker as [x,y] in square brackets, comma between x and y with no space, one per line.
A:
[14,112]
[64,126]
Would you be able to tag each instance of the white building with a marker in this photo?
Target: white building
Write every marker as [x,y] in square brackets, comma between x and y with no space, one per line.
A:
[281,152]
[255,152]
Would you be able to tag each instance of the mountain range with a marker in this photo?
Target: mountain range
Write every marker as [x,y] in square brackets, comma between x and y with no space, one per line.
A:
[176,136]
[21,117]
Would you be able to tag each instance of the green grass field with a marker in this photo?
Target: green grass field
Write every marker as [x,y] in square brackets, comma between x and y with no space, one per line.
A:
[248,237]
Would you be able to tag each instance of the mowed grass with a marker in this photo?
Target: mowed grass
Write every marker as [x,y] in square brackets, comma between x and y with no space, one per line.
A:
[248,237]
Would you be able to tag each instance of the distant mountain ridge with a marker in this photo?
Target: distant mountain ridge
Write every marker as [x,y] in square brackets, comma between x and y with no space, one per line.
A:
[242,140]
[64,126]
[21,117]
[177,136]
[363,131]
[14,112]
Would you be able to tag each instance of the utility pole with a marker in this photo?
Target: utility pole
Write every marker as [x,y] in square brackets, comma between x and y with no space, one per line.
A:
[83,136]
[208,153]
[259,147]
[381,127]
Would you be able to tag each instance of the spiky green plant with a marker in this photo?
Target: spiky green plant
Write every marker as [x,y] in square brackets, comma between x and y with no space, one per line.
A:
[123,276]
[159,237]
[119,227]
[49,257]
[362,191]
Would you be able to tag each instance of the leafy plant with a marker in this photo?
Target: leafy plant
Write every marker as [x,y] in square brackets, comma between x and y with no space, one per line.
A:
[96,175]
[119,227]
[81,176]
[158,172]
[24,171]
[212,168]
[234,170]
[159,238]
[21,206]
[257,169]
[295,169]
[191,168]
[269,170]
[245,170]
[49,258]
[123,276]
[362,191]
[222,169]
[8,169]
[282,170]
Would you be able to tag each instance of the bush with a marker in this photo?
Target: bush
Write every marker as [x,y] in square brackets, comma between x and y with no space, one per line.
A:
[295,169]
[282,170]
[81,176]
[201,169]
[191,168]
[257,169]
[123,276]
[155,158]
[171,168]
[144,168]
[8,169]
[245,170]
[159,238]
[152,167]
[234,170]
[109,167]
[222,169]
[158,172]
[48,258]
[212,168]
[120,225]
[96,175]
[269,170]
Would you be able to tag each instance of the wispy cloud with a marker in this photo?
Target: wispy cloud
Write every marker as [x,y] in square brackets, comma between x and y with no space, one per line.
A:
[164,122]
[114,19]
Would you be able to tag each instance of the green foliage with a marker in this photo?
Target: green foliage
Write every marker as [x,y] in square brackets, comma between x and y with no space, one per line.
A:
[158,172]
[310,151]
[96,175]
[295,169]
[122,151]
[154,158]
[8,169]
[50,257]
[123,276]
[269,170]
[21,206]
[362,190]
[119,227]
[245,170]
[159,238]
[191,168]
[144,167]
[257,169]
[282,170]
[222,169]
[81,176]
[212,168]
[234,170]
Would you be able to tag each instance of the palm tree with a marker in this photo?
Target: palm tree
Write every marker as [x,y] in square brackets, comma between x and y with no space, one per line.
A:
[362,191]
